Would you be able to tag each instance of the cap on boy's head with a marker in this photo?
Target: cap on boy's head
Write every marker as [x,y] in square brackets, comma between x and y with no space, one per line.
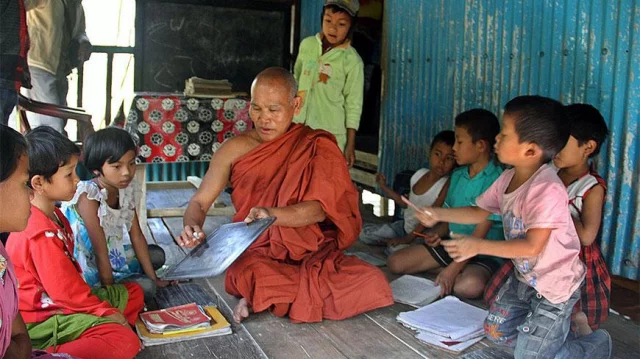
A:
[447,137]
[540,120]
[481,125]
[48,150]
[587,124]
[350,6]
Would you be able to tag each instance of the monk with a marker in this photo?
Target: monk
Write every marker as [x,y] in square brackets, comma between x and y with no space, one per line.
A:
[298,175]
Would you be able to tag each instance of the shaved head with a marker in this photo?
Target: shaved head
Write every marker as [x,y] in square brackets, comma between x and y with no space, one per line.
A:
[277,77]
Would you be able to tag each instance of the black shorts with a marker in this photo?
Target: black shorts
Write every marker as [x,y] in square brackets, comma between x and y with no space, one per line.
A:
[442,257]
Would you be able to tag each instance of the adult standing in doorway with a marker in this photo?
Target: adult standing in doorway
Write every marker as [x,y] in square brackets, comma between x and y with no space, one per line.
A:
[58,45]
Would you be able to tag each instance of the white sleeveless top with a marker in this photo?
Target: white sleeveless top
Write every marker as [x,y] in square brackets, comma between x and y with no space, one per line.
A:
[423,200]
[577,190]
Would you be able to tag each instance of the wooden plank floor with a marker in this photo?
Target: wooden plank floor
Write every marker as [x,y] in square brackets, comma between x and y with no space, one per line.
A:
[375,334]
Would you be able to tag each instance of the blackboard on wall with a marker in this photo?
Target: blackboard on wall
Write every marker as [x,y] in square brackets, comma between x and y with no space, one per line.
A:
[209,39]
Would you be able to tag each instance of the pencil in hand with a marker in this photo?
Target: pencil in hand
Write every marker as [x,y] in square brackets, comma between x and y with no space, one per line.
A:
[416,208]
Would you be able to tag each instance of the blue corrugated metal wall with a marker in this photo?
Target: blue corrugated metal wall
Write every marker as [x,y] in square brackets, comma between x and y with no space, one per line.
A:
[442,57]
[310,11]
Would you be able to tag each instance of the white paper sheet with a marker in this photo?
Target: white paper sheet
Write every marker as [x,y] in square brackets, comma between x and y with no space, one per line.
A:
[414,291]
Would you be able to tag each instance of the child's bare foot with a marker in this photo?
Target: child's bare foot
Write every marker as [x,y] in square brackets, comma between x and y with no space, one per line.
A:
[581,324]
[241,310]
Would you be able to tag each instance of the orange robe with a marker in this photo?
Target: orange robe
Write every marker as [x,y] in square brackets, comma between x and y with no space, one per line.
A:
[303,271]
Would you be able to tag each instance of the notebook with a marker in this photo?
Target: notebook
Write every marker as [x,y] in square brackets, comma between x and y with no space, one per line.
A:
[448,317]
[456,346]
[414,291]
[176,319]
[214,255]
[218,326]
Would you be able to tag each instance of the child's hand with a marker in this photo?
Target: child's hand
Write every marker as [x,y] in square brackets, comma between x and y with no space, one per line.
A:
[118,318]
[432,239]
[461,247]
[396,241]
[191,236]
[428,216]
[446,280]
[165,283]
[381,180]
[350,156]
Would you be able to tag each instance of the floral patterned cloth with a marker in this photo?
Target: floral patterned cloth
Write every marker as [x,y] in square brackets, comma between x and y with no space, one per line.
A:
[173,128]
[116,224]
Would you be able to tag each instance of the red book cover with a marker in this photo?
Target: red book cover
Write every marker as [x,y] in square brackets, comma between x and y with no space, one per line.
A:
[183,316]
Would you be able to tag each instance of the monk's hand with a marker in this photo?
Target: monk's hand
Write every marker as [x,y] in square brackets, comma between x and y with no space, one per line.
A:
[461,247]
[350,156]
[164,283]
[257,213]
[191,236]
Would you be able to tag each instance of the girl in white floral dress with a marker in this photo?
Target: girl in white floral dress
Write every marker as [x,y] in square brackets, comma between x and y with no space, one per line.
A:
[109,244]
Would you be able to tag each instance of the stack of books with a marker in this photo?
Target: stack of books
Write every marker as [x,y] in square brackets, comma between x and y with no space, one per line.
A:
[449,323]
[199,87]
[184,322]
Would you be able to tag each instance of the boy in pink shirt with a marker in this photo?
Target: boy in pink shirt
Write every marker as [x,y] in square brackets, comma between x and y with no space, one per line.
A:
[532,311]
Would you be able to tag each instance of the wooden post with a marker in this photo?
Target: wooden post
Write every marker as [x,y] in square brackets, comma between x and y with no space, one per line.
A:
[384,206]
[141,207]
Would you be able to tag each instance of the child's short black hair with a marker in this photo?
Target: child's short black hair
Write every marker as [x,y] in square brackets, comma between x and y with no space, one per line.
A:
[447,137]
[12,146]
[481,125]
[587,124]
[48,151]
[540,120]
[106,145]
[337,9]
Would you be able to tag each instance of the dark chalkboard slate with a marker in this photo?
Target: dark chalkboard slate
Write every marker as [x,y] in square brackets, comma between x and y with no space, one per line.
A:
[183,293]
[209,39]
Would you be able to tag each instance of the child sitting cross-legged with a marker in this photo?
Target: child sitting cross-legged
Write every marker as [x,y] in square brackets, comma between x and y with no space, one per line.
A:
[475,132]
[532,310]
[110,246]
[428,188]
[62,313]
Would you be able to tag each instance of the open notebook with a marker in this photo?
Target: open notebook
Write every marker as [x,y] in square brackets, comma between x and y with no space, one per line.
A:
[414,291]
[213,256]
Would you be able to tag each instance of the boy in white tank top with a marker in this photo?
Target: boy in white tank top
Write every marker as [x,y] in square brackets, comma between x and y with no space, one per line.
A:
[428,188]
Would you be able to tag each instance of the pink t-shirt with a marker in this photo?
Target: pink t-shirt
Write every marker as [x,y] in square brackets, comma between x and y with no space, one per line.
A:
[540,202]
